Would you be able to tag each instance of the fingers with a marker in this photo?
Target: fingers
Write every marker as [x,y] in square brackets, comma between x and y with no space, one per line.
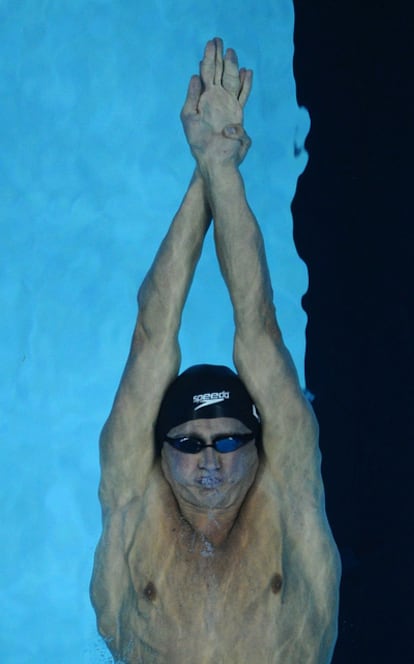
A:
[208,64]
[246,142]
[236,132]
[231,77]
[214,70]
[246,79]
[211,66]
[218,75]
[193,96]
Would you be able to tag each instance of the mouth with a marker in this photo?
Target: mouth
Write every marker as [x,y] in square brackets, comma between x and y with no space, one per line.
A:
[210,481]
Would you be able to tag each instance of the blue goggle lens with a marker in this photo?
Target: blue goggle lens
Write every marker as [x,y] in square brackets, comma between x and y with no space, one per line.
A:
[222,444]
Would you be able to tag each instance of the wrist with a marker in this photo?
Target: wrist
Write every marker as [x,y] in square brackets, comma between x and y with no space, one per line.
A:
[222,181]
[212,168]
[226,149]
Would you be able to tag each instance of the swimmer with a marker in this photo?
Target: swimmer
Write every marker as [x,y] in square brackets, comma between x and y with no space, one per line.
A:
[215,546]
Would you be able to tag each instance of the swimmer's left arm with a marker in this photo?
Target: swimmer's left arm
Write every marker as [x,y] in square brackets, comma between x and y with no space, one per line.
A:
[290,430]
[213,122]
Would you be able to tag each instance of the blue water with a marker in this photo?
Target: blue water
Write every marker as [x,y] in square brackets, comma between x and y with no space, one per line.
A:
[93,164]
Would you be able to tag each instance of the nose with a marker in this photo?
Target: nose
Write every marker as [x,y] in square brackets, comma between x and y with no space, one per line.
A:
[209,459]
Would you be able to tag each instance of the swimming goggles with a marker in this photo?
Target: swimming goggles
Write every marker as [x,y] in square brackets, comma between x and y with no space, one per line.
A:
[222,444]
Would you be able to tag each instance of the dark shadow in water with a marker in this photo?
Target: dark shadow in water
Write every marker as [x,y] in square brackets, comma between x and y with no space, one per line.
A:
[353,227]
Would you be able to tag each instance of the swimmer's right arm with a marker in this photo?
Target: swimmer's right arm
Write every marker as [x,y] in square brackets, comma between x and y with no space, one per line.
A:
[126,444]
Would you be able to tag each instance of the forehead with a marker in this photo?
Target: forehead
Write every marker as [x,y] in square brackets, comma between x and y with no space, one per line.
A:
[209,427]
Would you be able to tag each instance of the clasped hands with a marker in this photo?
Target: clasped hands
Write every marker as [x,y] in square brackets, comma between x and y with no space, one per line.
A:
[212,114]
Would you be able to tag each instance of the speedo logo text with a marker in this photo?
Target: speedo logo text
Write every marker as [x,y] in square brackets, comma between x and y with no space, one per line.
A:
[210,398]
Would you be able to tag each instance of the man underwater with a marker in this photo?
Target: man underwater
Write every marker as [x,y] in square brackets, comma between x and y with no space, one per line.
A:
[215,546]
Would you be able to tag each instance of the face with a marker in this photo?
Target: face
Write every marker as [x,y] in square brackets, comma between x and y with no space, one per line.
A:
[209,479]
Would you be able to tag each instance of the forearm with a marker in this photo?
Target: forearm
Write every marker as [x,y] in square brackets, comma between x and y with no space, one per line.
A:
[240,250]
[163,293]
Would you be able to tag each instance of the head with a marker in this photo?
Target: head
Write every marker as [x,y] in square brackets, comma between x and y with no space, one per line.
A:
[207,433]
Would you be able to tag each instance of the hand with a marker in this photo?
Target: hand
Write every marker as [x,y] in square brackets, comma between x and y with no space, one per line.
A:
[212,115]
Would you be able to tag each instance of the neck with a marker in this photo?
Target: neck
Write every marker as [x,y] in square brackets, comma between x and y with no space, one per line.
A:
[213,524]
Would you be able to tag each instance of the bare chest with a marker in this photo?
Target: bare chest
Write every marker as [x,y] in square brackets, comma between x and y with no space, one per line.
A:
[191,602]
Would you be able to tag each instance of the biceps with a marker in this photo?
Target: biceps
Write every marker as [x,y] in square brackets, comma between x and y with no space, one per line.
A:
[127,444]
[266,367]
[149,370]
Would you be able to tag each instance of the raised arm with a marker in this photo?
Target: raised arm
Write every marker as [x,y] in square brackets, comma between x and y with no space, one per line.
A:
[127,453]
[219,144]
[260,355]
[290,432]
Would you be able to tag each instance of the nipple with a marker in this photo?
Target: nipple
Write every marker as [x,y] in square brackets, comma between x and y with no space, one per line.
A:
[276,583]
[150,591]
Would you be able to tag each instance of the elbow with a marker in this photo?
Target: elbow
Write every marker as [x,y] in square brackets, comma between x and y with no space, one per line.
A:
[157,323]
[108,629]
[143,328]
[142,334]
[106,622]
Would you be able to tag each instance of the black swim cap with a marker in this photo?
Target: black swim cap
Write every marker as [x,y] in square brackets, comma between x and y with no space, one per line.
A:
[206,391]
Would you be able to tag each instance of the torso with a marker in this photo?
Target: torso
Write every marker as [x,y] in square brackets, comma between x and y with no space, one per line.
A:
[189,602]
